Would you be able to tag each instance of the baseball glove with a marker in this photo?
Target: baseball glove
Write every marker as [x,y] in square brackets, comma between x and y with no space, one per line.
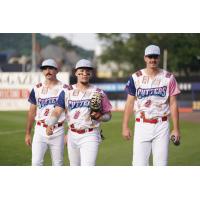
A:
[96,106]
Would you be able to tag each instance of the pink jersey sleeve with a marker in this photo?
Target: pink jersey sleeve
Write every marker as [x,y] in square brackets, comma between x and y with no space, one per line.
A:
[173,87]
[106,104]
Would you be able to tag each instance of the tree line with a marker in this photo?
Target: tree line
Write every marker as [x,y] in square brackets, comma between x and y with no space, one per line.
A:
[183,50]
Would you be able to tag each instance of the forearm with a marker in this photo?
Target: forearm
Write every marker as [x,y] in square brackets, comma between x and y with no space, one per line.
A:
[128,111]
[30,122]
[106,117]
[126,118]
[53,119]
[175,115]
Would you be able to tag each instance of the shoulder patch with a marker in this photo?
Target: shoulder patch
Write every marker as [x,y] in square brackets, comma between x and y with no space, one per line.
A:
[138,73]
[69,87]
[98,90]
[168,75]
[39,85]
[65,86]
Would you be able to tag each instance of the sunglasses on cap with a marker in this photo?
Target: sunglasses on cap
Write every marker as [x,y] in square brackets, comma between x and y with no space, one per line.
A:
[47,67]
[155,56]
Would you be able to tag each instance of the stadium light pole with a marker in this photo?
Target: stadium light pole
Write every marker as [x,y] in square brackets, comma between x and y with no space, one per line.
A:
[165,59]
[34,69]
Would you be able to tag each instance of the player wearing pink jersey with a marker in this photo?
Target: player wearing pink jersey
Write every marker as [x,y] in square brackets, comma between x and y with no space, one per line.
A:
[83,132]
[42,102]
[152,93]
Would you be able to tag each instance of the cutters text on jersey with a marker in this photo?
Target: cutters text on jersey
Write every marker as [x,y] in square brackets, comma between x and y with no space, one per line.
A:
[47,101]
[158,91]
[78,103]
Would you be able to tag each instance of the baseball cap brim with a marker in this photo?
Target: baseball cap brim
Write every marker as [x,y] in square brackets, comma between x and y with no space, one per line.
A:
[90,68]
[42,67]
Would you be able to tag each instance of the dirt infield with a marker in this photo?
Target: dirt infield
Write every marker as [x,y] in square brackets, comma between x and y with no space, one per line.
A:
[190,117]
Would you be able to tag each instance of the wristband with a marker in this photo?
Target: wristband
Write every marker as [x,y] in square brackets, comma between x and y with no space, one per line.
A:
[106,117]
[52,121]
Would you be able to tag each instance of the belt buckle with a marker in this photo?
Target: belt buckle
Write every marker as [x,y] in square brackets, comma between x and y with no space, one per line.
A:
[86,130]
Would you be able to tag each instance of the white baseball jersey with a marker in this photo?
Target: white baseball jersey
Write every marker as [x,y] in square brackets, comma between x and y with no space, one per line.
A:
[77,104]
[45,99]
[152,94]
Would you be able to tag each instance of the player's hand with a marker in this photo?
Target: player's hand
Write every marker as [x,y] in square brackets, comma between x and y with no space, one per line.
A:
[49,130]
[28,140]
[176,135]
[126,133]
[95,115]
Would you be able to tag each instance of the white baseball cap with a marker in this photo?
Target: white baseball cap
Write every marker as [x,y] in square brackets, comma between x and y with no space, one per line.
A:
[152,49]
[49,63]
[83,63]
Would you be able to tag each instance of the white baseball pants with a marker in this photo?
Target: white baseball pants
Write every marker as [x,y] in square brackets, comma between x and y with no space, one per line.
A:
[41,143]
[151,138]
[83,148]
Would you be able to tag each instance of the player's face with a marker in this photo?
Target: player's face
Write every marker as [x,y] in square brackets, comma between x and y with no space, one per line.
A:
[152,61]
[49,73]
[83,75]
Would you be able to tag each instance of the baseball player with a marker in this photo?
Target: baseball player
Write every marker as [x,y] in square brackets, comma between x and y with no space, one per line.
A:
[42,101]
[83,127]
[152,93]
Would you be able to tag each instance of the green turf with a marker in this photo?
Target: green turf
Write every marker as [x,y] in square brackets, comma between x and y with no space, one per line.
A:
[113,151]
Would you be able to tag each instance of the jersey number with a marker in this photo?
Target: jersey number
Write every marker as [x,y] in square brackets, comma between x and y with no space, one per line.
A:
[46,112]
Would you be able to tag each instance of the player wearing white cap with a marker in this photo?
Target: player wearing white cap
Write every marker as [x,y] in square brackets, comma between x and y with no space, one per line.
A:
[152,93]
[42,101]
[83,131]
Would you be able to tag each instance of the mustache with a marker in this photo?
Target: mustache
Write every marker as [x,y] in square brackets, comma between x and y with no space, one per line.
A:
[48,74]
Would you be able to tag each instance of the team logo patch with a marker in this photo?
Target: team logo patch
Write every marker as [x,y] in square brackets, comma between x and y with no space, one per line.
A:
[159,91]
[138,73]
[39,85]
[168,75]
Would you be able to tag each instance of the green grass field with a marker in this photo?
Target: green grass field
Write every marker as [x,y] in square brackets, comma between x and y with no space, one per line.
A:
[114,151]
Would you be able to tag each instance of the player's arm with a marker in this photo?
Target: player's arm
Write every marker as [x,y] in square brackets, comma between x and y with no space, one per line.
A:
[175,117]
[128,111]
[106,115]
[59,108]
[53,119]
[29,124]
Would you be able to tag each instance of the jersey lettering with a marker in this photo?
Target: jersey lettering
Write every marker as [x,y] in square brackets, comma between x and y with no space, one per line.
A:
[159,91]
[47,101]
[78,104]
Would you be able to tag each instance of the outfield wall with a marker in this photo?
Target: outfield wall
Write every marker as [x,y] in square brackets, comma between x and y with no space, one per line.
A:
[15,88]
